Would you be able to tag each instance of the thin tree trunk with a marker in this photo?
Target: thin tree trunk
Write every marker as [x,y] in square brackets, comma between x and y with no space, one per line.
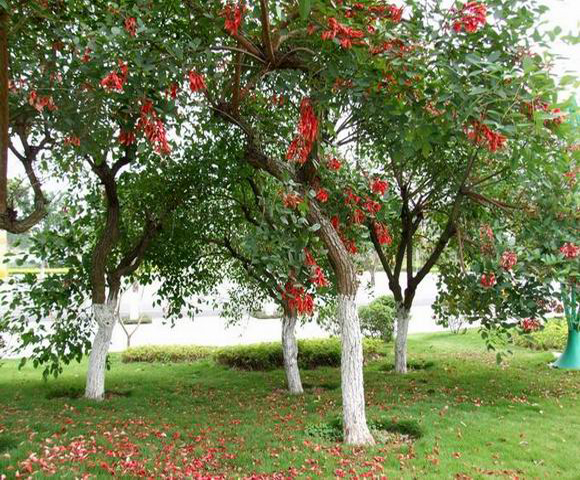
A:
[105,317]
[356,431]
[403,317]
[4,111]
[290,351]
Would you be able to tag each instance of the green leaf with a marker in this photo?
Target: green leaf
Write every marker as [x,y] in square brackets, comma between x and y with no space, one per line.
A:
[305,6]
[528,64]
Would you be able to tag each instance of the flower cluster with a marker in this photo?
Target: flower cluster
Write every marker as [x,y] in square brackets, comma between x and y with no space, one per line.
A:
[291,200]
[127,137]
[539,105]
[471,17]
[347,36]
[379,186]
[382,233]
[297,299]
[196,81]
[40,102]
[570,250]
[322,195]
[153,128]
[483,135]
[317,278]
[72,141]
[116,79]
[486,237]
[487,280]
[334,164]
[302,144]
[131,26]
[508,260]
[530,325]
[234,15]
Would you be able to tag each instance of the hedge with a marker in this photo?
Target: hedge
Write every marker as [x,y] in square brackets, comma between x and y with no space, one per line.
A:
[311,354]
[259,356]
[167,353]
[377,319]
[552,337]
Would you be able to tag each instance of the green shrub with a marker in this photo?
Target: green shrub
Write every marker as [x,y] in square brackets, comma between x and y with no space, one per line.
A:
[378,317]
[311,354]
[143,319]
[167,353]
[552,337]
[332,431]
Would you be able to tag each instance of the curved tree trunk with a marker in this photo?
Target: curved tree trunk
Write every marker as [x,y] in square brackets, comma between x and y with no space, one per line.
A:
[105,317]
[403,317]
[290,350]
[356,431]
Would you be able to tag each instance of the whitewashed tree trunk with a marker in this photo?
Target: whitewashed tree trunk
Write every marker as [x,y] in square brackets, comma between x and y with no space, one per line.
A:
[403,317]
[356,431]
[105,317]
[290,351]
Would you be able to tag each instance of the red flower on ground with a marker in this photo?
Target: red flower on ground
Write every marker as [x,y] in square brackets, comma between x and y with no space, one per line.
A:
[508,260]
[234,15]
[472,17]
[322,195]
[383,234]
[570,250]
[334,164]
[487,280]
[196,81]
[131,26]
[379,186]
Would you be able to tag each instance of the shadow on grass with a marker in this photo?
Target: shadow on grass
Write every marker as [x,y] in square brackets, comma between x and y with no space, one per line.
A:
[74,393]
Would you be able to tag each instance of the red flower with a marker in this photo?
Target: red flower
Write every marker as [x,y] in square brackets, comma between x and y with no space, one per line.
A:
[131,26]
[322,195]
[473,16]
[335,222]
[318,277]
[483,135]
[395,13]
[41,102]
[358,216]
[350,245]
[153,128]
[196,81]
[233,15]
[529,325]
[86,58]
[487,280]
[485,231]
[379,186]
[508,260]
[127,137]
[334,164]
[351,198]
[302,144]
[382,233]
[291,200]
[113,81]
[570,250]
[72,141]
[309,258]
[297,299]
[372,207]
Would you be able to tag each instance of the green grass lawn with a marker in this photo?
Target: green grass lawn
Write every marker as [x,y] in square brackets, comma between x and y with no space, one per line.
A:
[480,420]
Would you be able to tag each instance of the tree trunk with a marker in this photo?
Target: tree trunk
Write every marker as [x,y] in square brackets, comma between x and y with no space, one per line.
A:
[105,317]
[403,317]
[4,111]
[356,431]
[290,350]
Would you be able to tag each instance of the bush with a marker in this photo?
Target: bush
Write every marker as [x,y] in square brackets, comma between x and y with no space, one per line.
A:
[378,317]
[143,319]
[311,354]
[167,353]
[552,337]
